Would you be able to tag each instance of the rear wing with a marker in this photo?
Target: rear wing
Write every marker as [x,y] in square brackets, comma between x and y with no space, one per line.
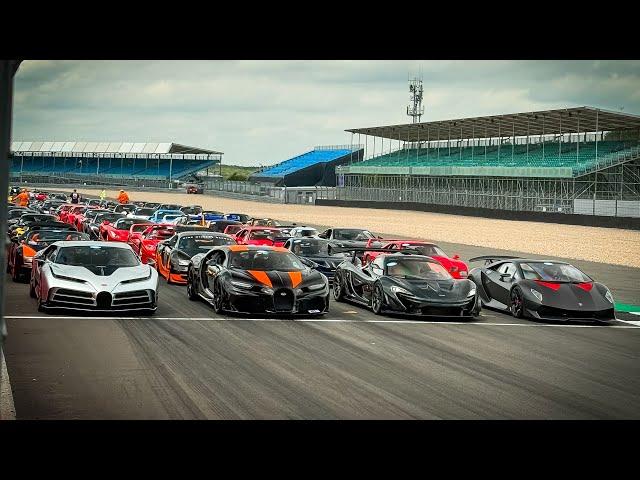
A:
[361,250]
[488,259]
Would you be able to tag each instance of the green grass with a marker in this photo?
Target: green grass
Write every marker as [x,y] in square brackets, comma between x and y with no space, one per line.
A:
[236,172]
[625,307]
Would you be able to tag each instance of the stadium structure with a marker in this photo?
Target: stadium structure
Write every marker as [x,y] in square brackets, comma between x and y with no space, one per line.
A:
[115,160]
[581,160]
[316,167]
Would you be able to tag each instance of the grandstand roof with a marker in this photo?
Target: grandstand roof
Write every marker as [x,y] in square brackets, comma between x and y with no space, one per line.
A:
[566,120]
[109,147]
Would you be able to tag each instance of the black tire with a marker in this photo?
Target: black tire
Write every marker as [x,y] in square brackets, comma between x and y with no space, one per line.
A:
[516,305]
[338,288]
[218,301]
[377,299]
[191,291]
[16,273]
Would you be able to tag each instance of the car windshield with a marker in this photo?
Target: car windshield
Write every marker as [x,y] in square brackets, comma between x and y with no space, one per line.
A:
[37,218]
[144,211]
[265,222]
[96,256]
[110,217]
[45,237]
[194,244]
[194,210]
[151,205]
[15,214]
[125,208]
[265,260]
[306,232]
[92,213]
[168,206]
[264,235]
[428,250]
[162,234]
[553,272]
[310,246]
[352,234]
[416,268]
[125,223]
[233,229]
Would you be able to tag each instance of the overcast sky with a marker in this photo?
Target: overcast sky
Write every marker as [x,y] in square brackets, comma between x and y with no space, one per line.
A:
[262,112]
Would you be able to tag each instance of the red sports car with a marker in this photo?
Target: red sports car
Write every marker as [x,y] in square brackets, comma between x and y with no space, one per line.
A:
[144,243]
[261,236]
[119,231]
[63,211]
[457,268]
[79,217]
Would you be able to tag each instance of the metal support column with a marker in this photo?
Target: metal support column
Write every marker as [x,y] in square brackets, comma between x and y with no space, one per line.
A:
[8,69]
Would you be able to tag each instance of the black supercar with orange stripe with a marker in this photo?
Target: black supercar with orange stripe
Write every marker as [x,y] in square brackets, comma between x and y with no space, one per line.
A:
[257,279]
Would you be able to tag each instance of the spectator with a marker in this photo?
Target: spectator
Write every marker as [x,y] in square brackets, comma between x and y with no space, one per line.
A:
[123,197]
[75,197]
[103,194]
[23,198]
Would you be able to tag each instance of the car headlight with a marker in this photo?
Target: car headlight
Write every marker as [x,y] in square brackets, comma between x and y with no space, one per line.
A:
[183,263]
[396,289]
[140,279]
[472,292]
[64,277]
[27,259]
[246,286]
[536,294]
[267,290]
[608,296]
[315,287]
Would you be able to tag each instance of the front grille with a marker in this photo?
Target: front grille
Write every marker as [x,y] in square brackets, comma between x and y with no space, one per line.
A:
[131,298]
[70,297]
[561,314]
[103,300]
[283,300]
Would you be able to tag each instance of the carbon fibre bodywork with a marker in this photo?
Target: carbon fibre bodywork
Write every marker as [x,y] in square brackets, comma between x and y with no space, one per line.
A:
[213,278]
[371,285]
[502,285]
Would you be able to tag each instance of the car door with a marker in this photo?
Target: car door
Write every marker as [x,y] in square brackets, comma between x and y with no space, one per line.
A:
[164,251]
[501,281]
[361,280]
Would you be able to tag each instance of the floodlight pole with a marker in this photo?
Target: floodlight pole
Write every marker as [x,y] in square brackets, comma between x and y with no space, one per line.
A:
[578,144]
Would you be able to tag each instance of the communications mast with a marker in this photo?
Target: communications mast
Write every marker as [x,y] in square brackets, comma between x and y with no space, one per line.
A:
[415,108]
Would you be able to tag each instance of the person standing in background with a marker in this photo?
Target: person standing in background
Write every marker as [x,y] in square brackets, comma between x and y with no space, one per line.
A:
[103,195]
[23,198]
[75,197]
[123,197]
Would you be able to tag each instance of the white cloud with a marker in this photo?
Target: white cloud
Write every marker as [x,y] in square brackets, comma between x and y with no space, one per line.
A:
[266,111]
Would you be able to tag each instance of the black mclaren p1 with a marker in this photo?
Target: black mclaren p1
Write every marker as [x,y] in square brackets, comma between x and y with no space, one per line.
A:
[541,289]
[405,283]
[257,279]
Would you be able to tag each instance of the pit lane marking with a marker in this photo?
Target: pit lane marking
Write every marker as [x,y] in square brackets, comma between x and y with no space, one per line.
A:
[322,320]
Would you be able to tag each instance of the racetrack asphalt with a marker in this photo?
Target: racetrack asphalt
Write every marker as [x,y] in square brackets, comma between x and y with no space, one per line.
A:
[186,362]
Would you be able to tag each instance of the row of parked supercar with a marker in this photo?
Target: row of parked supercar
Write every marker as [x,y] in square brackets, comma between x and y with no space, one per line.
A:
[269,268]
[68,271]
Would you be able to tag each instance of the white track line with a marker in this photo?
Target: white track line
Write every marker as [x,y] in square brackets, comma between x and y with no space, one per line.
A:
[7,407]
[317,320]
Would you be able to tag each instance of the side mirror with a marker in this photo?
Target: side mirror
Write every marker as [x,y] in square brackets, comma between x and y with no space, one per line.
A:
[505,277]
[379,237]
[309,263]
[456,256]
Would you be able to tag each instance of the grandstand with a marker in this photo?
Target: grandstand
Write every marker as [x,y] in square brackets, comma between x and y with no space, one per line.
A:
[115,160]
[316,167]
[574,160]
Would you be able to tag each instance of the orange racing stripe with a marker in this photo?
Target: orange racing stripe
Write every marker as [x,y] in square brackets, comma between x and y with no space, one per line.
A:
[296,278]
[261,276]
